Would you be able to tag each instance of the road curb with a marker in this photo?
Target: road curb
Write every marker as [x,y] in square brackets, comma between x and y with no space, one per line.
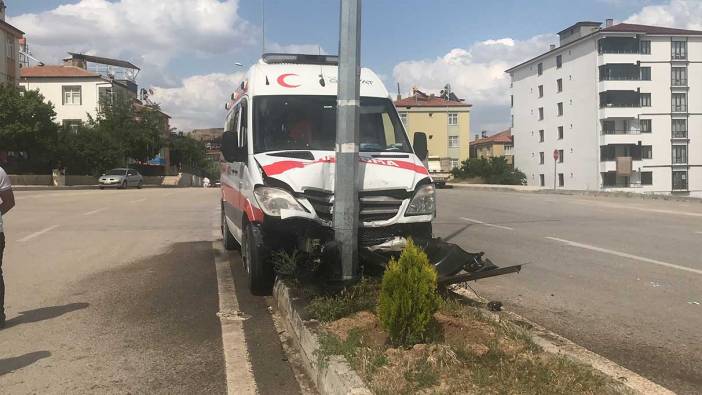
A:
[570,192]
[557,344]
[335,376]
[25,188]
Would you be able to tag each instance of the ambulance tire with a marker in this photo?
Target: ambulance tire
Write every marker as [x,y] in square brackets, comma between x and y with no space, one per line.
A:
[257,261]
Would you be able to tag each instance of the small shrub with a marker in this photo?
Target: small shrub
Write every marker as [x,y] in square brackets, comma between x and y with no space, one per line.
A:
[408,297]
[360,297]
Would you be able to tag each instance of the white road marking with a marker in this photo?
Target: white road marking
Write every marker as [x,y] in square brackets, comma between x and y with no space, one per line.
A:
[138,200]
[95,211]
[240,378]
[625,255]
[475,221]
[37,234]
[650,210]
[699,233]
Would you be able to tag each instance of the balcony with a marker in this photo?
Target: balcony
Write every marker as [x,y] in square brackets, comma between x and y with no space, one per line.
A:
[610,180]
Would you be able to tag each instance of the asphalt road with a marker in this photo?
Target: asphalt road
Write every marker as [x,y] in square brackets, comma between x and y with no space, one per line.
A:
[117,292]
[619,276]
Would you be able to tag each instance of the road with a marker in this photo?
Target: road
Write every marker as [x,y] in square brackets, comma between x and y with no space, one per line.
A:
[117,292]
[619,276]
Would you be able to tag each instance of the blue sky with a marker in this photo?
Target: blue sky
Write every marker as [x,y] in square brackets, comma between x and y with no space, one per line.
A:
[418,43]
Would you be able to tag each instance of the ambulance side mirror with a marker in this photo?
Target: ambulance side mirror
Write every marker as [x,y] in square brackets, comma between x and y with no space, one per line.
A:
[229,146]
[420,146]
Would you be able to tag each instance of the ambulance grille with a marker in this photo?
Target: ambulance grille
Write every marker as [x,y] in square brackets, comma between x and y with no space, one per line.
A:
[375,206]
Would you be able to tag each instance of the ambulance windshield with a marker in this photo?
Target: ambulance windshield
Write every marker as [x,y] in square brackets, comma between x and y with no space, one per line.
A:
[309,123]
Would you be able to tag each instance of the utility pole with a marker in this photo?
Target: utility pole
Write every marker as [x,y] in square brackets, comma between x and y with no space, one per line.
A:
[346,202]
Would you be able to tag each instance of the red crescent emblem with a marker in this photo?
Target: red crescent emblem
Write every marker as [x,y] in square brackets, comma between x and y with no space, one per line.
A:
[281,81]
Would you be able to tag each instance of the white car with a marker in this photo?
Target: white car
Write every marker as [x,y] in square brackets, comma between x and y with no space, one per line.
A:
[122,178]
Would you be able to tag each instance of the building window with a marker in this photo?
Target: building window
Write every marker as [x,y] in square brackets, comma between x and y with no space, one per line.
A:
[645,73]
[561,180]
[678,76]
[645,125]
[559,85]
[646,152]
[541,91]
[560,109]
[645,100]
[559,61]
[541,136]
[72,95]
[679,102]
[679,128]
[453,142]
[646,178]
[541,113]
[541,158]
[511,101]
[542,180]
[679,180]
[72,125]
[679,154]
[455,163]
[560,132]
[540,68]
[679,50]
[403,118]
[453,118]
[560,156]
[645,47]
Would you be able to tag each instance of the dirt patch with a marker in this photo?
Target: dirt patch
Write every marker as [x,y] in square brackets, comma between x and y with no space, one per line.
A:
[364,322]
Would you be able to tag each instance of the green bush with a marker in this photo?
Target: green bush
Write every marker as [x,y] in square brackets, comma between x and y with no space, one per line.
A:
[495,170]
[408,297]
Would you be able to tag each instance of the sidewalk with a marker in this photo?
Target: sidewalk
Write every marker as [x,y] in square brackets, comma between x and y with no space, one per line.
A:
[75,187]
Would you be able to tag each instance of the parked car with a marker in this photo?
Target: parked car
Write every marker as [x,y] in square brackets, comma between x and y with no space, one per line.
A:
[122,178]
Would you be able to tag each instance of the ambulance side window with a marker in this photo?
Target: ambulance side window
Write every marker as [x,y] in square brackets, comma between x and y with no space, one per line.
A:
[243,139]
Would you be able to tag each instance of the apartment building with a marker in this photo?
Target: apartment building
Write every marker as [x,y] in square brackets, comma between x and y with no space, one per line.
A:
[445,120]
[9,49]
[616,108]
[499,144]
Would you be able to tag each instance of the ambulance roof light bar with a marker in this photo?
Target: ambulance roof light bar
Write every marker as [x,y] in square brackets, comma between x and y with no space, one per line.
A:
[279,58]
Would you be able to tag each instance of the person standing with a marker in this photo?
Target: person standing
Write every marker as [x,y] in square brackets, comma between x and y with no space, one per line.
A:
[7,202]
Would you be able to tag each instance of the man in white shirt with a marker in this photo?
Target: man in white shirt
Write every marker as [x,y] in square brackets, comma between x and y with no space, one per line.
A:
[7,202]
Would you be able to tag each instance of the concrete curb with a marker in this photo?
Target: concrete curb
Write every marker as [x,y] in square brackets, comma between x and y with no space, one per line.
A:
[335,377]
[526,189]
[557,344]
[25,188]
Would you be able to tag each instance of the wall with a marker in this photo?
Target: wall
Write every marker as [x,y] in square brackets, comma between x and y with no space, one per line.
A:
[434,122]
[51,89]
[4,75]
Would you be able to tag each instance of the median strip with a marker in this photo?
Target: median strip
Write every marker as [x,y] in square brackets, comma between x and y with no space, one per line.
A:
[625,255]
[475,221]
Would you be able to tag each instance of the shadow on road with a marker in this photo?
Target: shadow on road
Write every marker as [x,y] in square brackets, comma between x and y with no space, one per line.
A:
[9,365]
[44,313]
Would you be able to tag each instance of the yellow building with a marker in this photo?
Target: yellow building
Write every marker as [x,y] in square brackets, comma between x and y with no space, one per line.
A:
[500,144]
[446,122]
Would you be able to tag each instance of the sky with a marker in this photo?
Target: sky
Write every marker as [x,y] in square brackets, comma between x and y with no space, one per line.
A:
[188,49]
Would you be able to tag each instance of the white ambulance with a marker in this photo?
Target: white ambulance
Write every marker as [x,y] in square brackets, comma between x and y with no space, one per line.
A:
[278,172]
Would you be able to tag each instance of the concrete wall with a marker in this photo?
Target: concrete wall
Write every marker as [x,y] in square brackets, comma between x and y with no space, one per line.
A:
[51,89]
[31,179]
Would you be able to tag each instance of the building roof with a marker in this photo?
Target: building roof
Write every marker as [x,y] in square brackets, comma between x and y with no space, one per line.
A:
[504,137]
[11,29]
[56,72]
[630,27]
[101,60]
[618,28]
[421,99]
[581,23]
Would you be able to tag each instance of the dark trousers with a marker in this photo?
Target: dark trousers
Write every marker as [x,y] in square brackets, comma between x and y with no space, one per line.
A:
[2,282]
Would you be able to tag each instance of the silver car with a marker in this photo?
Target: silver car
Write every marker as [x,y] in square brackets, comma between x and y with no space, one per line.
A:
[121,178]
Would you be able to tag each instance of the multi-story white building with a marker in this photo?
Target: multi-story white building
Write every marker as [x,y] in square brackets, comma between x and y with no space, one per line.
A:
[620,107]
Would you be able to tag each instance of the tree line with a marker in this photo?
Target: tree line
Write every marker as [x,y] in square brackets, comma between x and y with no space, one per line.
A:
[121,134]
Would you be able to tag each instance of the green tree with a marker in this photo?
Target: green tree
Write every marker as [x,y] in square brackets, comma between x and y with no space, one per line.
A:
[27,125]
[408,297]
[88,150]
[495,170]
[187,153]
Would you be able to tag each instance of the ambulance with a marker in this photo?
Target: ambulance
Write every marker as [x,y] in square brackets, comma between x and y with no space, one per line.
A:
[277,179]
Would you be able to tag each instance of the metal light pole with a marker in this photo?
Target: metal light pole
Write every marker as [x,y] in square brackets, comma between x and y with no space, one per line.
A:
[347,119]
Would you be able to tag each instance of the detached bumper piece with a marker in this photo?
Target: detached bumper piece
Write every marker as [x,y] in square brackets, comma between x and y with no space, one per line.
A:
[453,264]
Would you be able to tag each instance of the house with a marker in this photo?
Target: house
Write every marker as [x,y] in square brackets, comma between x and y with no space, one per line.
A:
[499,144]
[610,107]
[445,119]
[212,138]
[9,49]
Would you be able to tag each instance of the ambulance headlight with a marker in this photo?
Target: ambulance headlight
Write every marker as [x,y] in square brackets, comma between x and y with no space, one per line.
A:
[272,200]
[423,202]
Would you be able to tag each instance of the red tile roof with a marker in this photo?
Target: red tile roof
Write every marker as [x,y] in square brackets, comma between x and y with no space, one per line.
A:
[630,27]
[420,99]
[56,72]
[504,137]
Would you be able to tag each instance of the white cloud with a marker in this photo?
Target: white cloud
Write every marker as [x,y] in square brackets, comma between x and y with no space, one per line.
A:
[683,14]
[199,101]
[146,32]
